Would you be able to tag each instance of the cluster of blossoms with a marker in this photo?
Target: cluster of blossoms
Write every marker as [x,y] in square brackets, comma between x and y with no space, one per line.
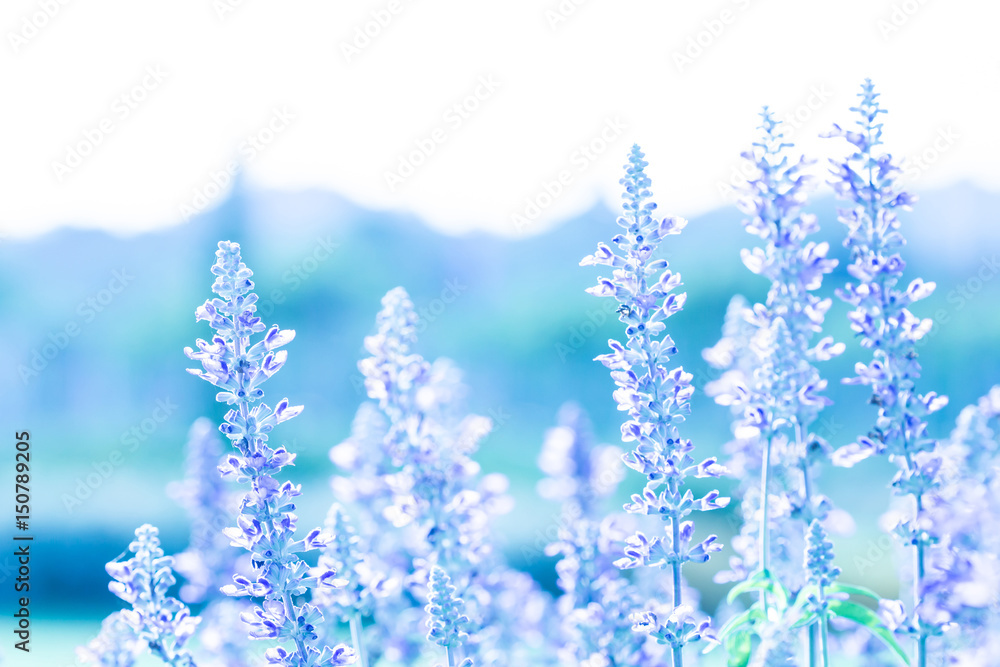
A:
[882,320]
[597,600]
[427,503]
[115,646]
[428,443]
[161,622]
[447,622]
[962,578]
[407,561]
[656,399]
[266,524]
[769,378]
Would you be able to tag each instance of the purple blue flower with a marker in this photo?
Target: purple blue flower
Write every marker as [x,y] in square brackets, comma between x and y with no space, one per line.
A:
[656,399]
[448,625]
[266,525]
[882,320]
[769,379]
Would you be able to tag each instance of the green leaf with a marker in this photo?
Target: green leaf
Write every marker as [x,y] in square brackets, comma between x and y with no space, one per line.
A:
[748,617]
[738,649]
[802,597]
[781,592]
[853,590]
[862,615]
[758,581]
[808,619]
[761,580]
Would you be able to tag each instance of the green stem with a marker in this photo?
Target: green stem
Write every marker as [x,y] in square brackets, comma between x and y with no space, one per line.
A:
[919,567]
[675,534]
[917,597]
[451,656]
[824,639]
[356,639]
[807,503]
[765,532]
[919,550]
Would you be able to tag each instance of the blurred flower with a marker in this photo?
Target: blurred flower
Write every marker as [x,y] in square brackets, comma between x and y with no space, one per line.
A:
[209,561]
[161,622]
[962,580]
[597,601]
[117,645]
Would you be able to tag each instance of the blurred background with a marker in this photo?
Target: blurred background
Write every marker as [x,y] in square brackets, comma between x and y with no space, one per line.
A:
[470,154]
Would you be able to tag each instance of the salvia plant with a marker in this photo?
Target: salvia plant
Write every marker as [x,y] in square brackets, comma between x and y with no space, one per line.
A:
[770,380]
[266,525]
[408,568]
[656,399]
[869,180]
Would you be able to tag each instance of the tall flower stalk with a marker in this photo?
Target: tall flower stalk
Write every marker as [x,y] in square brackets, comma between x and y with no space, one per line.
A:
[437,505]
[882,320]
[656,399]
[266,524]
[773,382]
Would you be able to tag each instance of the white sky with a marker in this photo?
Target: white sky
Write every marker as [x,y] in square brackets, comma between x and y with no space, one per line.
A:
[227,69]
